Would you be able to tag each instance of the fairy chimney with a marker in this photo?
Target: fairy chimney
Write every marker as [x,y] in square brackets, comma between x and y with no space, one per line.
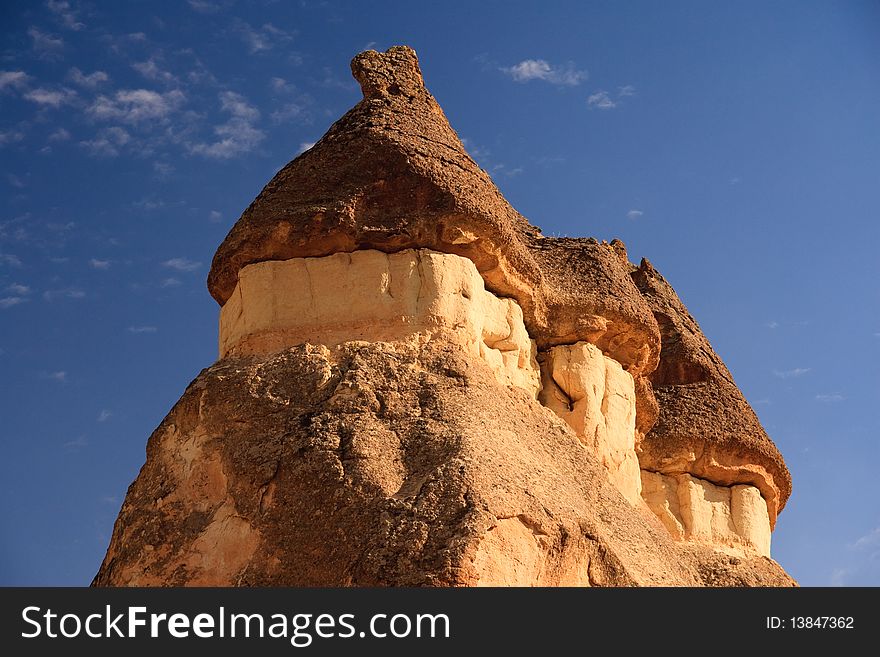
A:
[415,387]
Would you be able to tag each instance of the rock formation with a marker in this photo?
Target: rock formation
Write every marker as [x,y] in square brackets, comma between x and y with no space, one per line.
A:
[415,387]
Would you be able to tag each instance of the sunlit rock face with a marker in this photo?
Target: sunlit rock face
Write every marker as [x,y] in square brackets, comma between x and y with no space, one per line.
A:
[730,518]
[378,297]
[596,398]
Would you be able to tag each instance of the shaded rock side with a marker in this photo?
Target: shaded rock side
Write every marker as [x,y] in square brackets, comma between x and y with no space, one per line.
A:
[382,464]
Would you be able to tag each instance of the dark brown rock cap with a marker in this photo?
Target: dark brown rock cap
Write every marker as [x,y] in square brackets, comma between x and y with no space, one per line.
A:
[392,174]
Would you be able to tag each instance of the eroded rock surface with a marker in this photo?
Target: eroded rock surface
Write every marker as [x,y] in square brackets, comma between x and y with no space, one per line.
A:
[378,297]
[596,398]
[733,518]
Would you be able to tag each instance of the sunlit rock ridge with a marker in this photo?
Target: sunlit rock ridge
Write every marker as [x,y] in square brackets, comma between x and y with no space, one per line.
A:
[415,387]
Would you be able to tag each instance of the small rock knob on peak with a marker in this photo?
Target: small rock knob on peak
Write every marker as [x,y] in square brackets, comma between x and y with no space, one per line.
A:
[393,72]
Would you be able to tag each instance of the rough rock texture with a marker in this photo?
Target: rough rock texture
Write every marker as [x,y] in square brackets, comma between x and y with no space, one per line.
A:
[705,426]
[415,387]
[377,464]
[372,463]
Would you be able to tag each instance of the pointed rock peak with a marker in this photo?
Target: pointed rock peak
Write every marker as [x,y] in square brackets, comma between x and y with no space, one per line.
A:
[394,72]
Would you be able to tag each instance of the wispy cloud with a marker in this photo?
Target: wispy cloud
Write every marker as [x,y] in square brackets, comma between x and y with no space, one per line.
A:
[205,6]
[281,85]
[136,106]
[238,135]
[540,69]
[238,106]
[10,260]
[772,324]
[107,142]
[59,375]
[65,293]
[870,541]
[46,45]
[18,289]
[634,214]
[65,14]
[59,135]
[604,100]
[11,137]
[163,170]
[9,302]
[104,415]
[142,329]
[830,397]
[54,98]
[475,150]
[182,264]
[91,81]
[16,295]
[214,216]
[793,373]
[601,100]
[288,112]
[304,146]
[263,38]
[839,577]
[94,263]
[151,70]
[76,445]
[170,282]
[13,79]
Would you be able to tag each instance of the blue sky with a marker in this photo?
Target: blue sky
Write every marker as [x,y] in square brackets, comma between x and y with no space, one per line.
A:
[736,145]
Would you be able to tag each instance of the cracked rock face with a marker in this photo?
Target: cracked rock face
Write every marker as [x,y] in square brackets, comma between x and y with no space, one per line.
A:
[416,388]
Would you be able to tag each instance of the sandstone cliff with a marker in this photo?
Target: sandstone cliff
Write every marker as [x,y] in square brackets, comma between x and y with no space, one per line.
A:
[415,387]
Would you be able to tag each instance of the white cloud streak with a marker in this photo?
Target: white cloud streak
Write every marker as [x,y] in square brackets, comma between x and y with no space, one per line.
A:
[13,79]
[9,302]
[53,98]
[540,69]
[90,81]
[107,142]
[238,135]
[791,374]
[151,70]
[601,100]
[136,106]
[18,289]
[262,38]
[10,260]
[182,264]
[46,44]
[65,14]
[141,329]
